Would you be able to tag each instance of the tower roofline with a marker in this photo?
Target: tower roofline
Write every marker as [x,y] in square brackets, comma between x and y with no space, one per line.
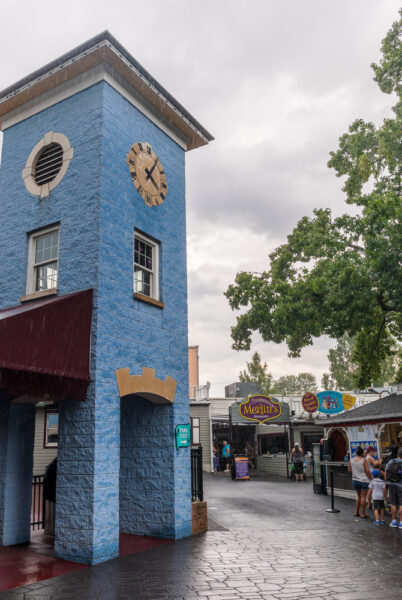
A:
[104,48]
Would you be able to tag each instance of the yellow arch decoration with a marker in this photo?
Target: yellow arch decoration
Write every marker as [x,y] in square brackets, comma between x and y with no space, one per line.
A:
[146,385]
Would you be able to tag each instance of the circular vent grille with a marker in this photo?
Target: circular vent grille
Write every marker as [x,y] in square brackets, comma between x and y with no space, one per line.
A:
[48,164]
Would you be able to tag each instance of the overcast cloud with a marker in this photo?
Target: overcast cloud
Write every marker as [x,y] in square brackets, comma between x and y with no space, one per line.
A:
[277,82]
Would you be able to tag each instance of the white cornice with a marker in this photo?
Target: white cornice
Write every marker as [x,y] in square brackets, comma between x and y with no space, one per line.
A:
[102,72]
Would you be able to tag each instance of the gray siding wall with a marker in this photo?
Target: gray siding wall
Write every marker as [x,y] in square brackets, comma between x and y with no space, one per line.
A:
[202,411]
[273,465]
[42,456]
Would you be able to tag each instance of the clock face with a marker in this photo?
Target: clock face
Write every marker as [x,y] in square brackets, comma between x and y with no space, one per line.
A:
[147,173]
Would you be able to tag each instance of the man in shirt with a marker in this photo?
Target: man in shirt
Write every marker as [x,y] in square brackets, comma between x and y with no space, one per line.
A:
[226,454]
[393,477]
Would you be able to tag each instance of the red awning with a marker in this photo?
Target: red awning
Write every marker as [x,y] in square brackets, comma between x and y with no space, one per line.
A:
[45,345]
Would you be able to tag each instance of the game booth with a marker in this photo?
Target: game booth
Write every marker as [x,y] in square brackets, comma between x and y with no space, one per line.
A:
[377,424]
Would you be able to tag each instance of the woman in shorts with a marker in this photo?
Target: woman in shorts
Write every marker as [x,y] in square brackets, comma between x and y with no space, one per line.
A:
[361,477]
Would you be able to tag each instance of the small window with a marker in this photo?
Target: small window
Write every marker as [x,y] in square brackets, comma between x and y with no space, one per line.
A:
[273,444]
[195,431]
[51,429]
[308,439]
[146,266]
[43,260]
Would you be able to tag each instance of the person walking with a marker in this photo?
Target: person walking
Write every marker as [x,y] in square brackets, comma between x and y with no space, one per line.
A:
[370,452]
[361,477]
[216,457]
[379,493]
[226,454]
[250,453]
[393,477]
[297,458]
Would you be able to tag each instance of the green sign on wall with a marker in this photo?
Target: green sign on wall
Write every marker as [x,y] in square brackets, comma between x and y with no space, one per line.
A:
[183,436]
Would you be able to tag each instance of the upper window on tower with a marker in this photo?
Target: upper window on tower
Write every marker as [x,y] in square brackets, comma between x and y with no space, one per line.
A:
[47,164]
[43,257]
[146,268]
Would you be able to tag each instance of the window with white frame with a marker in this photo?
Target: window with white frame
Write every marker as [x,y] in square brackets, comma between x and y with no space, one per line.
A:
[195,431]
[43,256]
[146,266]
[51,438]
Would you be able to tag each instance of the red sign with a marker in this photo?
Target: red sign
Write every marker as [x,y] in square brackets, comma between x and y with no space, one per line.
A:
[310,402]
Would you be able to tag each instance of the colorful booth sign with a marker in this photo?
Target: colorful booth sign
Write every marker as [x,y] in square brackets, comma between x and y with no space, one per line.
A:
[241,467]
[364,445]
[310,402]
[183,436]
[260,408]
[332,403]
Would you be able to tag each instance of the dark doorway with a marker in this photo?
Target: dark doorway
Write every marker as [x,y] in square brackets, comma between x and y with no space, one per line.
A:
[339,444]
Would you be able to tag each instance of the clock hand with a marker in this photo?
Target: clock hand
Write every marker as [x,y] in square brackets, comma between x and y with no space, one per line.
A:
[149,173]
[152,180]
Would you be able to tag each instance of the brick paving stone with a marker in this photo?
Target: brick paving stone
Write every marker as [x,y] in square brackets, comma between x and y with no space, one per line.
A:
[263,548]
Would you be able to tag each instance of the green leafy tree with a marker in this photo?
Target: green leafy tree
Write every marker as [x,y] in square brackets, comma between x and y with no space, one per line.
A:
[287,385]
[292,385]
[307,383]
[337,276]
[326,382]
[341,368]
[257,373]
[344,370]
[388,374]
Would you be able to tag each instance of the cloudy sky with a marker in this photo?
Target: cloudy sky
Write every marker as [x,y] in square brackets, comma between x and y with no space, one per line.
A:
[276,82]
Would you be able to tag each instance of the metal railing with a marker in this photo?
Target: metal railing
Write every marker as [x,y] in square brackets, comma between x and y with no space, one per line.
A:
[197,487]
[200,392]
[38,504]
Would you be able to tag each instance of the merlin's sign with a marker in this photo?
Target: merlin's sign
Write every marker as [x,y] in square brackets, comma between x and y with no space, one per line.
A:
[259,409]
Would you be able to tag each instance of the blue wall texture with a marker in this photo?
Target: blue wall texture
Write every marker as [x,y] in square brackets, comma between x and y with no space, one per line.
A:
[17,426]
[133,334]
[110,462]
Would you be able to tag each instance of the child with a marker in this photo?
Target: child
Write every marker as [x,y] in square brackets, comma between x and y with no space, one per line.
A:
[378,465]
[379,493]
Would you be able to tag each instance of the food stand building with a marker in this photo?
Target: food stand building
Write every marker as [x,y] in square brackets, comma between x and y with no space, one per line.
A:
[375,424]
[273,439]
[93,298]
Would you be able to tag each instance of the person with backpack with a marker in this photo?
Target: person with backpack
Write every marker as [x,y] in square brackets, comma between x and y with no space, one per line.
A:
[393,477]
[297,458]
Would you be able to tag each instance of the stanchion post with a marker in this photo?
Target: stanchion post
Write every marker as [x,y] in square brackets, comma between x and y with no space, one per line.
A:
[332,509]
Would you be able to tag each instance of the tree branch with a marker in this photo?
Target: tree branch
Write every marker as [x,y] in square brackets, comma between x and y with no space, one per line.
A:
[384,307]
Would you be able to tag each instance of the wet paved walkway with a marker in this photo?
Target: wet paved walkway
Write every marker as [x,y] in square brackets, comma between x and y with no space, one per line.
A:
[22,565]
[269,540]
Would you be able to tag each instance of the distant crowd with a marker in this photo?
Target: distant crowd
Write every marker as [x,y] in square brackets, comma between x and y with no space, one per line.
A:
[376,483]
[222,453]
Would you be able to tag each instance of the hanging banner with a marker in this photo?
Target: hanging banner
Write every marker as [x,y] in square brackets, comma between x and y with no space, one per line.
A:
[260,408]
[332,403]
[310,402]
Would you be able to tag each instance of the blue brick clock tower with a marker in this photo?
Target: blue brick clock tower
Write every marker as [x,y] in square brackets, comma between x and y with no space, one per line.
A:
[93,298]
